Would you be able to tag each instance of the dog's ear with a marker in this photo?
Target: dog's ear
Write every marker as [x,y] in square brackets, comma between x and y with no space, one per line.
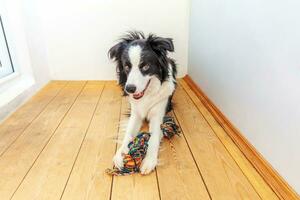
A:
[160,44]
[115,52]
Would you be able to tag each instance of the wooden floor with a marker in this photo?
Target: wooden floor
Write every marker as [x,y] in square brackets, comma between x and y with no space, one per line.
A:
[59,143]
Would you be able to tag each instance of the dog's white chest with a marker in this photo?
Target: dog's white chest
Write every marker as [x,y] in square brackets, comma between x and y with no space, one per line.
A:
[143,106]
[154,99]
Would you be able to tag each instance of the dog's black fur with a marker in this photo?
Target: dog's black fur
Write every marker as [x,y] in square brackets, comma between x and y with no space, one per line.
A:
[154,54]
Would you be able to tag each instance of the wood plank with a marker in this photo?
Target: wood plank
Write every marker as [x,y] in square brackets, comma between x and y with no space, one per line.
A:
[263,189]
[136,186]
[88,180]
[14,126]
[178,176]
[51,170]
[222,176]
[269,174]
[18,159]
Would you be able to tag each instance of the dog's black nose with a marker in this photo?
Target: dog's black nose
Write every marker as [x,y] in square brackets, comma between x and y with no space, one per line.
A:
[130,88]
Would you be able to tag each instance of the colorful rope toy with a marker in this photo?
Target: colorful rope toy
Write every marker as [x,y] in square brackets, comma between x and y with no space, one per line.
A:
[138,148]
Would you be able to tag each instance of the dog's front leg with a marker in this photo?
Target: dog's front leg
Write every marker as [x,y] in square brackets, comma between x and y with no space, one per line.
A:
[156,119]
[134,125]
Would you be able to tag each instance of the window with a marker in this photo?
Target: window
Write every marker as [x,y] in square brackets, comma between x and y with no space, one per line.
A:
[6,64]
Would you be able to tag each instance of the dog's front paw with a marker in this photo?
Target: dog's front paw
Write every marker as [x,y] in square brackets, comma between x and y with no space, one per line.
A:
[148,164]
[118,160]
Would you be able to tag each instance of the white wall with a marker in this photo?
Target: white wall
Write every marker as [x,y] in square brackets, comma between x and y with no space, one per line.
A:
[35,38]
[78,34]
[246,56]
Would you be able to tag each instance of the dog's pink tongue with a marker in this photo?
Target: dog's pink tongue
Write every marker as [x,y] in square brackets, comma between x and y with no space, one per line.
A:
[138,95]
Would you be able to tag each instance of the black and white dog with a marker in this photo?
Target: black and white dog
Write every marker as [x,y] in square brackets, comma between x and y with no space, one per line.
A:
[147,76]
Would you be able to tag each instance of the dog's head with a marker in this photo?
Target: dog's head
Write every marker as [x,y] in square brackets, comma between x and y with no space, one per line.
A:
[139,59]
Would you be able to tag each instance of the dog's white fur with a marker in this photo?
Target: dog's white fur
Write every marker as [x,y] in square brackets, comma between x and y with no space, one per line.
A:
[151,106]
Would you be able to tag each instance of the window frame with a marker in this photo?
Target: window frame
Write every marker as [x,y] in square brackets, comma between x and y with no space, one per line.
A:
[8,49]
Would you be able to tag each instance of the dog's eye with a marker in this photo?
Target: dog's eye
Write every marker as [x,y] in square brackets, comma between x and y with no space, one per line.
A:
[145,67]
[126,68]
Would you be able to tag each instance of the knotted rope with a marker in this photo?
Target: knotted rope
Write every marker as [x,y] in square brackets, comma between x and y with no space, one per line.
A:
[138,148]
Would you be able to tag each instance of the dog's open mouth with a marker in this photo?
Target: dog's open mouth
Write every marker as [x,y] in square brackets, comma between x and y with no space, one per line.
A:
[139,95]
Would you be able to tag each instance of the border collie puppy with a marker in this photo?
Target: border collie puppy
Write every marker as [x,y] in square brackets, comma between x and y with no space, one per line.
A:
[147,76]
